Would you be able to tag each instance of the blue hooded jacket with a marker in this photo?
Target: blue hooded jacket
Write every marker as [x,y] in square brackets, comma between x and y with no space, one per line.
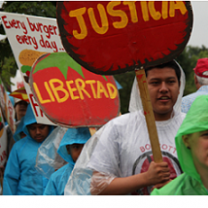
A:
[19,129]
[21,177]
[58,179]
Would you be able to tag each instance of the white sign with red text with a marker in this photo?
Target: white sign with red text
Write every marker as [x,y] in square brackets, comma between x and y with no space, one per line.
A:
[30,37]
[17,81]
[3,141]
[7,107]
[40,116]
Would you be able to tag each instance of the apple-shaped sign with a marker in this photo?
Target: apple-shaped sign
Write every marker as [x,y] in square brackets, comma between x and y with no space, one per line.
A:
[70,95]
[114,37]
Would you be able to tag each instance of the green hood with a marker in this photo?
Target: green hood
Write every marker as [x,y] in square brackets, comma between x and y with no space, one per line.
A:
[196,120]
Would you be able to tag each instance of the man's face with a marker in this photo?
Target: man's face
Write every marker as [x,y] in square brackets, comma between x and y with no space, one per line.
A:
[38,132]
[198,144]
[20,109]
[164,89]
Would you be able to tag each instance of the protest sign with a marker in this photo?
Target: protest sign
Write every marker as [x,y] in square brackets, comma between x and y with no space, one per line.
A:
[119,36]
[70,95]
[7,107]
[3,141]
[29,37]
[21,94]
[114,37]
[17,81]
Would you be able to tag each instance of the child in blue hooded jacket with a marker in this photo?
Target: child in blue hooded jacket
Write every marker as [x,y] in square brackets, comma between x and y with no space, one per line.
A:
[69,149]
[21,177]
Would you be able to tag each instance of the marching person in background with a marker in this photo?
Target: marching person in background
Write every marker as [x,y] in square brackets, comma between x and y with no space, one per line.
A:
[201,82]
[70,148]
[192,149]
[118,158]
[20,107]
[21,177]
[19,134]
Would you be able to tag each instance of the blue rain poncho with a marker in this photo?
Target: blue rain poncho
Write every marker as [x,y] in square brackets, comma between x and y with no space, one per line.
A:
[21,177]
[58,179]
[19,130]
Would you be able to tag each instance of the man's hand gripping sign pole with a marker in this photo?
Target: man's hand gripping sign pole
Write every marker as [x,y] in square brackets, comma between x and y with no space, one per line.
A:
[114,37]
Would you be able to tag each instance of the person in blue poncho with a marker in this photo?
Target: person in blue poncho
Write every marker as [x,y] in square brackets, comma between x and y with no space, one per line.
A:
[69,149]
[21,177]
[19,134]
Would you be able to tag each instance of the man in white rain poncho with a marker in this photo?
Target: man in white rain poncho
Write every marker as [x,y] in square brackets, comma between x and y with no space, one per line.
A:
[118,158]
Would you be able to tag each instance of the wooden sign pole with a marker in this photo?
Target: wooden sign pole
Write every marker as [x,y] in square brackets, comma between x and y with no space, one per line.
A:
[149,115]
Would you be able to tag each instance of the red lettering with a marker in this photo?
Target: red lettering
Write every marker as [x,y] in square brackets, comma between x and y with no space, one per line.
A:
[35,105]
[42,42]
[19,39]
[14,24]
[33,26]
[53,43]
[4,154]
[5,22]
[170,148]
[47,44]
[24,39]
[164,146]
[147,146]
[51,29]
[39,27]
[142,149]
[54,28]
[174,150]
[46,30]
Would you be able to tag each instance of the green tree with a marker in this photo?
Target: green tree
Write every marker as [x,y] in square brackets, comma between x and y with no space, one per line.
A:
[126,81]
[188,59]
[37,8]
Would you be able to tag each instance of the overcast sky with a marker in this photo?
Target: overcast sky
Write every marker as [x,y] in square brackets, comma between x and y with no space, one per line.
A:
[199,34]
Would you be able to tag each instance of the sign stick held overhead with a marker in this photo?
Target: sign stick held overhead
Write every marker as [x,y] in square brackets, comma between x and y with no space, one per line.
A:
[114,37]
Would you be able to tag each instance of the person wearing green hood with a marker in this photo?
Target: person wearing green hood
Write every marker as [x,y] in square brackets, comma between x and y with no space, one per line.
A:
[192,149]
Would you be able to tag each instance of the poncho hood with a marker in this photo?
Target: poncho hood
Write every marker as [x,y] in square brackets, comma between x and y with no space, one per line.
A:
[196,120]
[135,102]
[29,118]
[19,130]
[72,136]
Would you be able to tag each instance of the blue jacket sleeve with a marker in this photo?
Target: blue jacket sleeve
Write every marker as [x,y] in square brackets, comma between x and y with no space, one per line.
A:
[50,188]
[11,174]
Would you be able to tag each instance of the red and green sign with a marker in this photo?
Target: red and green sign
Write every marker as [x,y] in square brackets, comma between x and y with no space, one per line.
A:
[70,95]
[114,37]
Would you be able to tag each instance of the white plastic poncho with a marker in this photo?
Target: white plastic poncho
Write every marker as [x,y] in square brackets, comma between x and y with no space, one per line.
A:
[122,148]
[48,160]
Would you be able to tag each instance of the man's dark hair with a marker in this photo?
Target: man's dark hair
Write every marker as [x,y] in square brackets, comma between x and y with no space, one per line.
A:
[171,64]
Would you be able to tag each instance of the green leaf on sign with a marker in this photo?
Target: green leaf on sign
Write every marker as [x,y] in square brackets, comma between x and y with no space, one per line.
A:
[104,77]
[64,61]
[24,68]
